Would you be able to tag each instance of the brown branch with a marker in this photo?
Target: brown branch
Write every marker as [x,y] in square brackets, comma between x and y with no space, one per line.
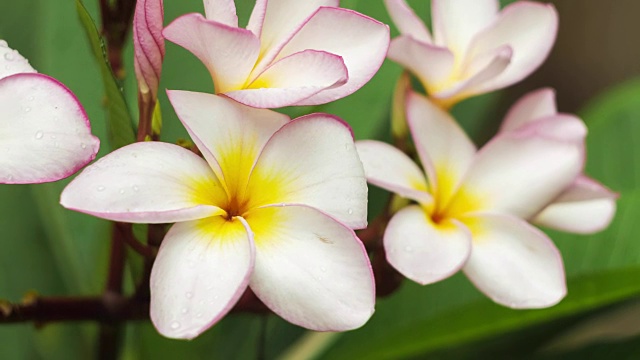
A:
[116,22]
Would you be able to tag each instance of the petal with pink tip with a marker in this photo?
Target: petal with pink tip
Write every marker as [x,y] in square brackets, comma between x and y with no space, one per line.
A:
[256,20]
[293,79]
[431,64]
[310,269]
[407,21]
[229,135]
[313,161]
[423,251]
[534,106]
[150,182]
[514,264]
[529,28]
[45,134]
[585,207]
[222,11]
[202,269]
[444,149]
[11,62]
[228,53]
[361,41]
[456,22]
[391,169]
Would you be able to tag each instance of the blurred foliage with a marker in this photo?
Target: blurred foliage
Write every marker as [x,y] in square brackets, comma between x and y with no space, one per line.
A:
[58,252]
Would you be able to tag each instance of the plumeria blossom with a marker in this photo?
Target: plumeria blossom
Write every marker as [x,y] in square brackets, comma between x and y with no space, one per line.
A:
[291,53]
[45,134]
[475,47]
[272,208]
[148,45]
[473,211]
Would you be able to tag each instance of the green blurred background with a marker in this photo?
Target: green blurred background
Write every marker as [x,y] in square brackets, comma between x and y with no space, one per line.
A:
[594,67]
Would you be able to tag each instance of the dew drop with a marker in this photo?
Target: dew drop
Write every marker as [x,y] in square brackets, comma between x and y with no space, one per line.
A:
[184,310]
[324,269]
[27,109]
[9,56]
[216,297]
[100,188]
[346,146]
[31,98]
[53,136]
[350,211]
[175,325]
[188,295]
[56,144]
[10,178]
[83,145]
[3,44]
[135,188]
[39,134]
[408,249]
[121,191]
[199,315]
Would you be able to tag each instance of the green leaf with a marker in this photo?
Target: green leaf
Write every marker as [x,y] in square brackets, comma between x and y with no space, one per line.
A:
[119,120]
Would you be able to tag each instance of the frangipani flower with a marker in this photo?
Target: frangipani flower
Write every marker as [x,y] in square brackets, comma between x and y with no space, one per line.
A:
[475,48]
[272,208]
[148,45]
[472,212]
[45,134]
[292,53]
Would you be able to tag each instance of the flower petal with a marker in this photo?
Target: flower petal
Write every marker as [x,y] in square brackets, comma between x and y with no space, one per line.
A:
[11,62]
[407,21]
[45,134]
[293,79]
[222,11]
[313,161]
[391,169]
[310,269]
[444,149]
[148,43]
[515,264]
[534,106]
[361,41]
[148,182]
[202,269]
[229,135]
[431,64]
[228,53]
[423,251]
[456,22]
[521,171]
[584,207]
[256,20]
[529,28]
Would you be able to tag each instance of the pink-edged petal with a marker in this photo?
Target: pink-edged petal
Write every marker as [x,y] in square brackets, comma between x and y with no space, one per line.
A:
[310,269]
[148,182]
[229,135]
[407,21]
[529,28]
[313,161]
[519,172]
[444,149]
[423,251]
[293,79]
[11,62]
[202,269]
[45,134]
[222,11]
[361,41]
[533,106]
[584,208]
[431,64]
[228,53]
[256,20]
[456,22]
[514,264]
[148,43]
[391,169]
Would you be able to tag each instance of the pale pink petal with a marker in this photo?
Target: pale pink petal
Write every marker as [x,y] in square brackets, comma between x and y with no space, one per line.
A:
[585,207]
[515,264]
[391,169]
[148,44]
[431,64]
[456,22]
[202,269]
[423,251]
[150,182]
[361,41]
[313,161]
[407,21]
[229,135]
[45,134]
[310,269]
[11,62]
[222,11]
[257,17]
[293,79]
[445,150]
[229,53]
[529,28]
[521,171]
[534,106]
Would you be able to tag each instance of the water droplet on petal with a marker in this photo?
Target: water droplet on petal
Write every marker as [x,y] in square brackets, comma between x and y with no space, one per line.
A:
[350,211]
[100,188]
[3,44]
[31,98]
[199,315]
[9,56]
[83,145]
[135,188]
[324,269]
[121,191]
[189,295]
[10,178]
[408,249]
[346,146]
[39,134]
[27,109]
[56,144]
[184,310]
[53,136]
[175,325]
